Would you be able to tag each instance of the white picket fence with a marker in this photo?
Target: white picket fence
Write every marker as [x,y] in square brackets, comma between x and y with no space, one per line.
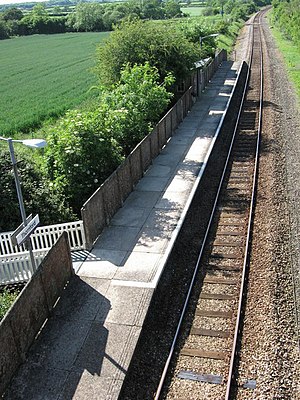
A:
[15,265]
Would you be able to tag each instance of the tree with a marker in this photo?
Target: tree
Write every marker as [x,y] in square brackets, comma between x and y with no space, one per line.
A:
[12,14]
[37,193]
[286,16]
[3,30]
[87,17]
[137,42]
[9,20]
[115,13]
[172,9]
[152,9]
[194,29]
[111,17]
[39,11]
[242,10]
[36,21]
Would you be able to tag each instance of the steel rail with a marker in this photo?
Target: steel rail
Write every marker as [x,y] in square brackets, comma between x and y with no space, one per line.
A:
[249,229]
[183,312]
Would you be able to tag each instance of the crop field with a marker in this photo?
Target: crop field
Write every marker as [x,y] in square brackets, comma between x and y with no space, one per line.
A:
[44,75]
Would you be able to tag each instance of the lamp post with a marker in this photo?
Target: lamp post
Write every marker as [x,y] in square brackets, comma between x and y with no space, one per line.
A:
[204,37]
[33,143]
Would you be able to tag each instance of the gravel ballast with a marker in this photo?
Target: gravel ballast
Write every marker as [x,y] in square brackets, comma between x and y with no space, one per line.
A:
[270,352]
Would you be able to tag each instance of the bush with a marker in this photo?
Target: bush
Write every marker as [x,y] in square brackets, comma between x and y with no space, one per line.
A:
[137,42]
[243,10]
[195,28]
[222,27]
[80,155]
[208,11]
[86,147]
[134,105]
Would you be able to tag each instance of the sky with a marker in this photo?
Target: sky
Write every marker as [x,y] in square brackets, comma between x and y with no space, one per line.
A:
[19,1]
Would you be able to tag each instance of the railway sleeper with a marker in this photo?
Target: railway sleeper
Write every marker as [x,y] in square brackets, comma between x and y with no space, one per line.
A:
[214,268]
[216,296]
[230,233]
[222,255]
[210,332]
[216,355]
[199,377]
[220,281]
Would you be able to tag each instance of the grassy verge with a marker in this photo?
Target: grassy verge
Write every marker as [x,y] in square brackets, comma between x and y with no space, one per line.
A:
[227,41]
[291,56]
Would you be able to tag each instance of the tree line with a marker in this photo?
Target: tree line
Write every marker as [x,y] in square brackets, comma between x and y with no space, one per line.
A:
[86,17]
[95,16]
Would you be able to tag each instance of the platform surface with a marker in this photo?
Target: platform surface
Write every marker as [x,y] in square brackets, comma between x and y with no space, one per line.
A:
[85,348]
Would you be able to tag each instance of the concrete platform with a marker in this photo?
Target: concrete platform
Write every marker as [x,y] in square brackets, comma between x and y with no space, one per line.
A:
[85,348]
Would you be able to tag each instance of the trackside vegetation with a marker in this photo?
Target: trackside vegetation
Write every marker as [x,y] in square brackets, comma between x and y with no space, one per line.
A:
[286,17]
[285,21]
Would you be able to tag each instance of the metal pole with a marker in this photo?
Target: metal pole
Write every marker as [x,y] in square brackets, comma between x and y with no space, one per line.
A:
[20,199]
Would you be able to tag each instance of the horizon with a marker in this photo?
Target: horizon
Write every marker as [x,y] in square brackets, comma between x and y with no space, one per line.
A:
[6,2]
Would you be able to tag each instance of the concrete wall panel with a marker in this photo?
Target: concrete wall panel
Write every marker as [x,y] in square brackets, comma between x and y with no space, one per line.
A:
[154,143]
[161,134]
[9,356]
[29,313]
[174,118]
[26,317]
[56,269]
[111,196]
[93,216]
[135,161]
[124,179]
[168,126]
[146,153]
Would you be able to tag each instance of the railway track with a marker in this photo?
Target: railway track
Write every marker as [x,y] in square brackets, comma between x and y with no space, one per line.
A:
[205,344]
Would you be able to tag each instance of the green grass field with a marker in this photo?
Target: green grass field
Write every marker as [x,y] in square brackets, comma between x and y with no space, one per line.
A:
[42,76]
